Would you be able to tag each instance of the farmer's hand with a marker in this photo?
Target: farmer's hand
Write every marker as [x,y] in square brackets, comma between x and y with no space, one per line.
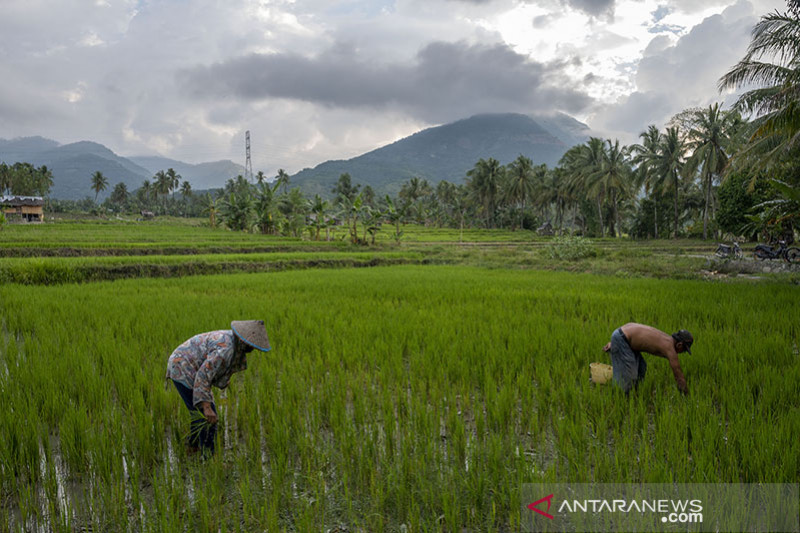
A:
[683,388]
[209,413]
[607,347]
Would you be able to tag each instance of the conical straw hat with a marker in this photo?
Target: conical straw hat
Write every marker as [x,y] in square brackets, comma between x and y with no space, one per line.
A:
[252,332]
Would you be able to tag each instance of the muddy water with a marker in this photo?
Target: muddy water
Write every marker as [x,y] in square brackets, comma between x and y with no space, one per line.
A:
[50,509]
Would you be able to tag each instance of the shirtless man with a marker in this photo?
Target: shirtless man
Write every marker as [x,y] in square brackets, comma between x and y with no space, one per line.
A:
[630,340]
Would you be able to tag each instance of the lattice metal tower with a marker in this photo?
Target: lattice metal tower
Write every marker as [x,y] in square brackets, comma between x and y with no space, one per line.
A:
[248,165]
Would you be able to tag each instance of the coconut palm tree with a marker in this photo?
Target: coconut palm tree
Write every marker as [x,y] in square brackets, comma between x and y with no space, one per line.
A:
[145,192]
[119,195]
[174,180]
[484,181]
[772,63]
[669,167]
[614,177]
[44,180]
[162,185]
[283,179]
[583,164]
[99,184]
[5,178]
[645,157]
[709,138]
[186,189]
[551,192]
[520,182]
[414,189]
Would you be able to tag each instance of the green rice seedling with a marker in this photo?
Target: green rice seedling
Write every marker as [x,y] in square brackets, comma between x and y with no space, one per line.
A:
[390,394]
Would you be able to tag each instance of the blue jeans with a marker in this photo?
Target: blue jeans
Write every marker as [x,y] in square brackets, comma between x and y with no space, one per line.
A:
[201,433]
[628,365]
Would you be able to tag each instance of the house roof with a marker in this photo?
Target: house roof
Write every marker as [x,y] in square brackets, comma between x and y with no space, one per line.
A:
[21,200]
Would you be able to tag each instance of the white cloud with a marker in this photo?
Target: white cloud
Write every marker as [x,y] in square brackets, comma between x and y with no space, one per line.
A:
[672,76]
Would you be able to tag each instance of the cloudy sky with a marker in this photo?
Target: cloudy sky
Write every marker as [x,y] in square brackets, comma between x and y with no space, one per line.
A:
[330,79]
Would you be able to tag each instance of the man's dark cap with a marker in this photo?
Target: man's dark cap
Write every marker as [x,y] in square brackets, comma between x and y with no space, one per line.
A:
[685,337]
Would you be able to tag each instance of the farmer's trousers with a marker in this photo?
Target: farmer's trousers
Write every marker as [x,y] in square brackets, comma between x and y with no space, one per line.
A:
[201,433]
[628,365]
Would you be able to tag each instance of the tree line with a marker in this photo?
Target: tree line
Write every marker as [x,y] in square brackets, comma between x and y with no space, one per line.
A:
[23,179]
[709,172]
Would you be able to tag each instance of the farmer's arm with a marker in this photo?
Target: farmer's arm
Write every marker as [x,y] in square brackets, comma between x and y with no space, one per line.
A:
[202,396]
[676,370]
[607,347]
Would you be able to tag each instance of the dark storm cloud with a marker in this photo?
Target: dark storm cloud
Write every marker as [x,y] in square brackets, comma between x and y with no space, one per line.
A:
[445,81]
[595,8]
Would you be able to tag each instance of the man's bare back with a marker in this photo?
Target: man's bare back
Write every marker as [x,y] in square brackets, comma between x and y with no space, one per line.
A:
[644,338]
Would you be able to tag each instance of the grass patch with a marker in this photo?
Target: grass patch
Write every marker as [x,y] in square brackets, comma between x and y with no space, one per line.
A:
[416,395]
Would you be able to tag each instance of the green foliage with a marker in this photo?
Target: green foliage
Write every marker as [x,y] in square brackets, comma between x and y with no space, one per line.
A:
[2,220]
[23,179]
[736,202]
[484,183]
[236,211]
[345,188]
[570,248]
[99,183]
[652,212]
[770,70]
[268,216]
[119,196]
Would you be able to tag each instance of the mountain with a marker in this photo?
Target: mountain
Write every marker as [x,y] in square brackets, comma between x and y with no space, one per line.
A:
[440,153]
[73,164]
[447,152]
[201,176]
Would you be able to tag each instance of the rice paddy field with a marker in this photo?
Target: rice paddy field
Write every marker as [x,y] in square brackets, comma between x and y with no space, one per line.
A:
[403,397]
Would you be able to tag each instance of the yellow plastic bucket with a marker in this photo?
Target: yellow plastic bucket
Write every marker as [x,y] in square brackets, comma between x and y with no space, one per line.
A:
[601,373]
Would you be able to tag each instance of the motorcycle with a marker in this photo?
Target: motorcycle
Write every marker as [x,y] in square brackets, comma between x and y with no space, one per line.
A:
[724,251]
[790,255]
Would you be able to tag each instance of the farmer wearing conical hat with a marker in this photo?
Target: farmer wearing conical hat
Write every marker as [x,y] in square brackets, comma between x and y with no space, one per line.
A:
[211,359]
[629,341]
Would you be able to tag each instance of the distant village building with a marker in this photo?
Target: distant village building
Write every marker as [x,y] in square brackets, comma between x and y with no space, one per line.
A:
[22,208]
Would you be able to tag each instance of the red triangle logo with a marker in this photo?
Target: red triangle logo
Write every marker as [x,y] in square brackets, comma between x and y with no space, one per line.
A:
[548,499]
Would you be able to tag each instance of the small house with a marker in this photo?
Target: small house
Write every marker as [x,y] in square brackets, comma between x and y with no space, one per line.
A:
[23,208]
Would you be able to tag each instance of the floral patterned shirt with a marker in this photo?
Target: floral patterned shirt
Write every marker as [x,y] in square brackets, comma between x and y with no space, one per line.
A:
[204,360]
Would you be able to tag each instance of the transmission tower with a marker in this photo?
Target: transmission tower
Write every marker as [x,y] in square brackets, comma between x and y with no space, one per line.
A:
[248,165]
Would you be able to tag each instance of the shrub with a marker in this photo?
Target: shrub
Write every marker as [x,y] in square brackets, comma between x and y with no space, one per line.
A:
[2,220]
[569,248]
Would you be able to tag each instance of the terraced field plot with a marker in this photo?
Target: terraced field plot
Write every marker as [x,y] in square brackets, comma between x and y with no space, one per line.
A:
[406,395]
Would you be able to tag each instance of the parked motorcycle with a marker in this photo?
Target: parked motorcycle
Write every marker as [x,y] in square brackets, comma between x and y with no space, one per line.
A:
[790,255]
[724,251]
